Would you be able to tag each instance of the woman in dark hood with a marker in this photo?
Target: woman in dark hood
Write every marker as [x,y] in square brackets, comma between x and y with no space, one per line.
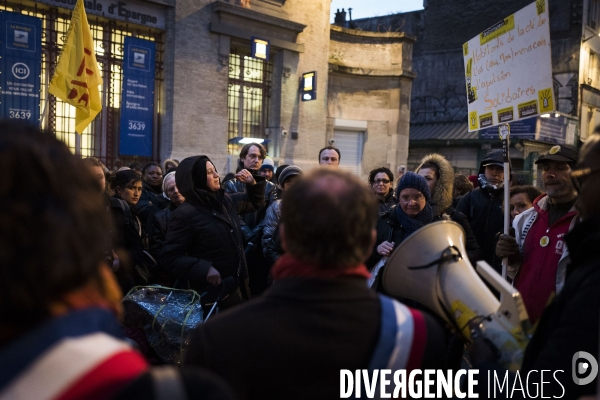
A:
[204,244]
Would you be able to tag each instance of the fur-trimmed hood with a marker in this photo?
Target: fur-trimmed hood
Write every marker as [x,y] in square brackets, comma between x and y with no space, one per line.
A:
[442,195]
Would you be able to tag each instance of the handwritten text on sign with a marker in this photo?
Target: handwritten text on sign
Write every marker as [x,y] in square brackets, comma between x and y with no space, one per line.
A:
[508,69]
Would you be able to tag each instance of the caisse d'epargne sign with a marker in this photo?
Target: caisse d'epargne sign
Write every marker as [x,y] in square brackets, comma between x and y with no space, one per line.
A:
[508,69]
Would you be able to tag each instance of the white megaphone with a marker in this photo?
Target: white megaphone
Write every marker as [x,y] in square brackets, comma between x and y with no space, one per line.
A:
[430,267]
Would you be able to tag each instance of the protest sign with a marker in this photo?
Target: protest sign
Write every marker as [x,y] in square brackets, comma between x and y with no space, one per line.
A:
[508,69]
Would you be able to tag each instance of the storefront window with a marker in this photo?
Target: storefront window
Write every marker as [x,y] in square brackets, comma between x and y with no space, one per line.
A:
[247,97]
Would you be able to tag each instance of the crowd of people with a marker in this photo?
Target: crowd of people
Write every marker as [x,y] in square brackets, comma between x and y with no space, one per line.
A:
[296,249]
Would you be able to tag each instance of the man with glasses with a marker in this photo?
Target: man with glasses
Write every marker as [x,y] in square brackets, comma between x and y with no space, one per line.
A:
[251,158]
[538,256]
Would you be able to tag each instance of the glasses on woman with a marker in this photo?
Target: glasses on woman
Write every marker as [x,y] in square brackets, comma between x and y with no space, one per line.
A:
[407,199]
[381,181]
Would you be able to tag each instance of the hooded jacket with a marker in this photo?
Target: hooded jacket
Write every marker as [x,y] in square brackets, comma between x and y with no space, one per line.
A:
[483,209]
[441,201]
[204,230]
[441,198]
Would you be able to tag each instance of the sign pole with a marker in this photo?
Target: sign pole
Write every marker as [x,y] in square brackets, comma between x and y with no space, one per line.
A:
[504,131]
[45,111]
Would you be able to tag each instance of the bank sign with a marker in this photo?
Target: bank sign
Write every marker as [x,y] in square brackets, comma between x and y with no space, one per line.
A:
[130,11]
[20,64]
[137,98]
[508,69]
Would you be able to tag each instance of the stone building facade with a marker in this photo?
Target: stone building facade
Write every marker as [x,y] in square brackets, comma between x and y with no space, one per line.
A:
[365,114]
[210,93]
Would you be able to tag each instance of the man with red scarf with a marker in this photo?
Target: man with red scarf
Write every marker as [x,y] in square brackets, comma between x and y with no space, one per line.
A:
[319,317]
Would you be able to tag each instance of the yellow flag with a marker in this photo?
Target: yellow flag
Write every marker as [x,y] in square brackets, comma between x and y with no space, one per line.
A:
[77,76]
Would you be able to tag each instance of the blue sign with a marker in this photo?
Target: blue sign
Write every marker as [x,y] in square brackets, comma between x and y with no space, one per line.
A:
[520,129]
[20,66]
[554,130]
[137,98]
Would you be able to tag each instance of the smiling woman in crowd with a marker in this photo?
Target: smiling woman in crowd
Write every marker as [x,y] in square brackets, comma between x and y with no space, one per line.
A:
[413,212]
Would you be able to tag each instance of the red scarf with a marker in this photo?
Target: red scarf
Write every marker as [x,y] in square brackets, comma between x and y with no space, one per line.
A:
[290,267]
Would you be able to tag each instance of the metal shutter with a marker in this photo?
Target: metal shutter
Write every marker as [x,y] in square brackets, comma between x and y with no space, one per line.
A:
[351,147]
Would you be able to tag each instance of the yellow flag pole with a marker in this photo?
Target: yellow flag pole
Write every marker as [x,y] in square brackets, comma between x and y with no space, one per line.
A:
[77,76]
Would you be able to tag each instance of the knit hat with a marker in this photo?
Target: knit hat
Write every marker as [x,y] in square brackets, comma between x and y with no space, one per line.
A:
[268,164]
[289,172]
[280,170]
[414,181]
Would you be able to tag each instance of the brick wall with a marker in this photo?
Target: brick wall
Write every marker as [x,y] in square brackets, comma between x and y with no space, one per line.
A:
[199,104]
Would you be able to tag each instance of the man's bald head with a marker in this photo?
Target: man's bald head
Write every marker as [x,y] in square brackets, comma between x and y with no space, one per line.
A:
[329,217]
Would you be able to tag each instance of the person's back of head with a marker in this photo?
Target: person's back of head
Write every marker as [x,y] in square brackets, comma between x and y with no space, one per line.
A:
[462,185]
[136,167]
[585,176]
[170,165]
[329,218]
[53,227]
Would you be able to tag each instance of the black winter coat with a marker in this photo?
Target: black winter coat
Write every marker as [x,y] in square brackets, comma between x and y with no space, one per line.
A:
[252,226]
[387,203]
[159,224]
[570,323]
[388,229]
[291,342]
[483,209]
[201,235]
[125,236]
